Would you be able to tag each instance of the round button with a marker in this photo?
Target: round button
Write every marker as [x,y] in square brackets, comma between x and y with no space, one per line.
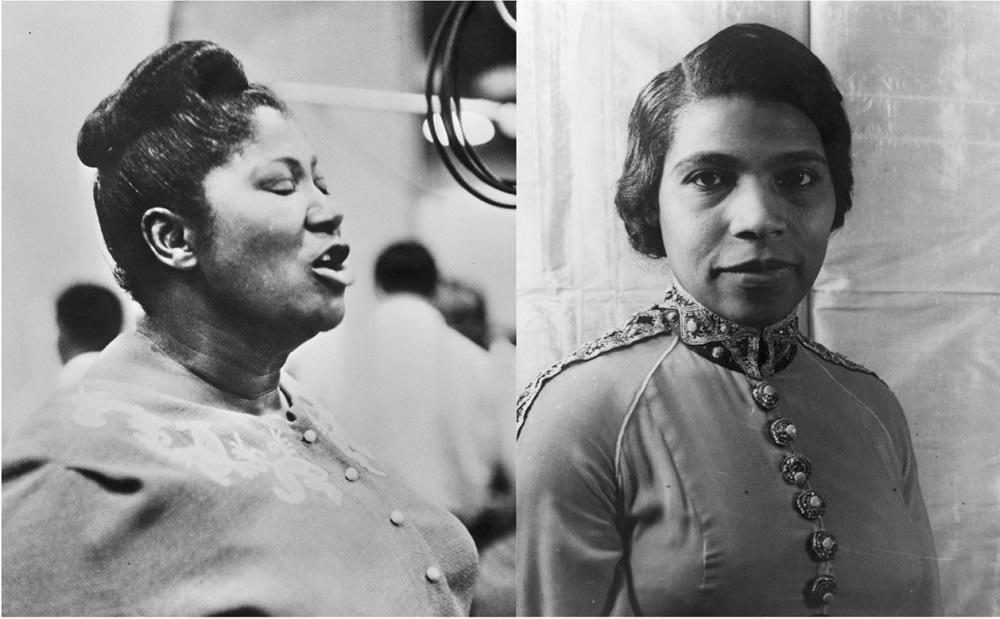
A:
[810,504]
[397,518]
[782,431]
[691,326]
[351,474]
[823,545]
[309,436]
[822,590]
[765,396]
[796,469]
[433,573]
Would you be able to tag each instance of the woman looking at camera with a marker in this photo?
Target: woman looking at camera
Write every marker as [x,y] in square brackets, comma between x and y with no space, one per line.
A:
[186,474]
[706,457]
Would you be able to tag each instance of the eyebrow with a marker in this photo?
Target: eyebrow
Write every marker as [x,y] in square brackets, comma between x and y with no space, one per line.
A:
[295,166]
[722,160]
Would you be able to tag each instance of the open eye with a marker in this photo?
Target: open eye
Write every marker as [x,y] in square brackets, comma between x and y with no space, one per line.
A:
[708,179]
[797,179]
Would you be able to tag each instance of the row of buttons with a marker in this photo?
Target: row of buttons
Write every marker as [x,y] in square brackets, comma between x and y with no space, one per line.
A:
[433,573]
[796,469]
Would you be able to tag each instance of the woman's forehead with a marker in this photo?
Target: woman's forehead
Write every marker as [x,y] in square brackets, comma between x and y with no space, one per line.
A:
[277,136]
[743,127]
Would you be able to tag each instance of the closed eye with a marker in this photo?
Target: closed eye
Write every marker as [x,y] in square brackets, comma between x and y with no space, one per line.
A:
[320,183]
[283,187]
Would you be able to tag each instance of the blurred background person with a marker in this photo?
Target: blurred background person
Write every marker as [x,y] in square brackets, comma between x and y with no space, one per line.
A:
[430,409]
[89,316]
[464,309]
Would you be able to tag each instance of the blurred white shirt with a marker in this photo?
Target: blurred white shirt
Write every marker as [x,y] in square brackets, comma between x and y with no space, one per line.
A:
[74,369]
[430,408]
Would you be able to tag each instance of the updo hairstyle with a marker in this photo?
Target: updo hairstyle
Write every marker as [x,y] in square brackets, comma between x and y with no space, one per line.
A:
[184,110]
[745,60]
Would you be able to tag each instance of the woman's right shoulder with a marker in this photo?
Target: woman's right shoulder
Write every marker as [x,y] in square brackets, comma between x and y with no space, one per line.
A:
[591,390]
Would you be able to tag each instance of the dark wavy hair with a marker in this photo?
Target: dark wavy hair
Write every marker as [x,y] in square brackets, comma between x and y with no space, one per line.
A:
[184,110]
[747,60]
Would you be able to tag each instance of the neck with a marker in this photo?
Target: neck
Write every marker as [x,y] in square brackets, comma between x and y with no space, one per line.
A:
[756,352]
[221,354]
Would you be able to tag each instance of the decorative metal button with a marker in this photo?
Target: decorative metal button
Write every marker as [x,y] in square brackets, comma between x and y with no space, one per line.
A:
[672,316]
[765,396]
[822,589]
[823,545]
[433,573]
[290,415]
[351,474]
[717,352]
[397,518]
[782,431]
[796,469]
[810,504]
[691,326]
[309,436]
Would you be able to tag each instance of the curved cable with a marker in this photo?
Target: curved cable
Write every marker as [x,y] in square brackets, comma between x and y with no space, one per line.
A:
[440,86]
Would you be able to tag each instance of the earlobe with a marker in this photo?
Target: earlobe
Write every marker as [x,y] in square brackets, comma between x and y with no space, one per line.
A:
[170,238]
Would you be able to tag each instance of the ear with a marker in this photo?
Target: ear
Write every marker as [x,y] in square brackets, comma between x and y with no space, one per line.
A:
[652,216]
[171,237]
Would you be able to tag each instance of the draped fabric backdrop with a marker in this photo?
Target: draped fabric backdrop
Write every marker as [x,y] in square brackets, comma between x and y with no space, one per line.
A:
[911,285]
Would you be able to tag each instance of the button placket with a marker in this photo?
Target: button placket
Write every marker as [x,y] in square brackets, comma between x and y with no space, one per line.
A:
[796,470]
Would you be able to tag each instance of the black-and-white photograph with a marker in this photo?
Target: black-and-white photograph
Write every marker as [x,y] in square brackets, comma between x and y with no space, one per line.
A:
[498,308]
[258,309]
[690,443]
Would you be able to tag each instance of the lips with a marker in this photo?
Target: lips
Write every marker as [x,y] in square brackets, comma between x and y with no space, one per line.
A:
[332,258]
[758,265]
[330,265]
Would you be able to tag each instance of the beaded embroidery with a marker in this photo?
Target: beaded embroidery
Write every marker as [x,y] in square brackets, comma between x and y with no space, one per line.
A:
[640,326]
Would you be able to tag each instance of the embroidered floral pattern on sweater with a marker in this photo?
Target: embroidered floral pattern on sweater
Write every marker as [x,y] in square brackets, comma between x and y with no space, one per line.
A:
[195,444]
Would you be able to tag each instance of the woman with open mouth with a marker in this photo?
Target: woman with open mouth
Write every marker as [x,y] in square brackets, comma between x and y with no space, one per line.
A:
[186,474]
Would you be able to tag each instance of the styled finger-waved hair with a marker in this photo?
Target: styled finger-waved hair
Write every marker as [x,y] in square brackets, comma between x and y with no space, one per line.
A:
[184,110]
[746,60]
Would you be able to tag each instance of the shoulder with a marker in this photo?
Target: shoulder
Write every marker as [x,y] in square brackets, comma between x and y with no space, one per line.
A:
[864,385]
[835,359]
[598,380]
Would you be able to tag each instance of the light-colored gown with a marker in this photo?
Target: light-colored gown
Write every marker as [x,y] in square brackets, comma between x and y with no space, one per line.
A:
[144,490]
[652,480]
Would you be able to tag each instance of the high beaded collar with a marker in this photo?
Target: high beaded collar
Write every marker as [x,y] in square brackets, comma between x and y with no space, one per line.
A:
[757,353]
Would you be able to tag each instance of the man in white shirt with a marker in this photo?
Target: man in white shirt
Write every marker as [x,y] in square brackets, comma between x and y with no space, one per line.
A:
[431,411]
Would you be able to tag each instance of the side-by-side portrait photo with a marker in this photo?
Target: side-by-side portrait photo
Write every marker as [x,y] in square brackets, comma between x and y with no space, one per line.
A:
[496,308]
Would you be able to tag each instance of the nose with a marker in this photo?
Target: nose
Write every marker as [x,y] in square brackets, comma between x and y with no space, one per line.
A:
[756,213]
[324,215]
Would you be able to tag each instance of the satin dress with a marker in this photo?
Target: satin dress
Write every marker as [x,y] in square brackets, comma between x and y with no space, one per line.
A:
[685,465]
[144,490]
